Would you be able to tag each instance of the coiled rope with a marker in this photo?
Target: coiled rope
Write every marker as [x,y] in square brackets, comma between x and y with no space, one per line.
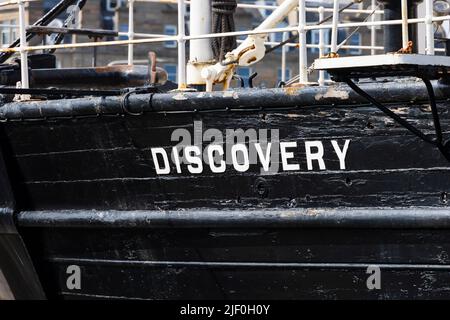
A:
[223,21]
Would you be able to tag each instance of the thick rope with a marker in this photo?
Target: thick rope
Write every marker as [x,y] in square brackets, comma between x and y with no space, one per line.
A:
[223,21]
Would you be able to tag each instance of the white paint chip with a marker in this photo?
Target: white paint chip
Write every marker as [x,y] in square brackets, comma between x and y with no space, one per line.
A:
[332,92]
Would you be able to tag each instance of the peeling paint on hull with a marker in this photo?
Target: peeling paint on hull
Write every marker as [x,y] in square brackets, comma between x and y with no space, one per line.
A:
[86,155]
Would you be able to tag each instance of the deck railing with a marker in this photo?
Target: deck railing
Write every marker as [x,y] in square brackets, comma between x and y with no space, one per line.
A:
[136,38]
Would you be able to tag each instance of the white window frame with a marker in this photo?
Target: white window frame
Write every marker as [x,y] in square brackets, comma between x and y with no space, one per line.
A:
[266,12]
[288,72]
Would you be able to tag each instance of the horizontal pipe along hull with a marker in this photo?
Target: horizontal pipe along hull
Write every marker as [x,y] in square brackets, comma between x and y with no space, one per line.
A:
[98,185]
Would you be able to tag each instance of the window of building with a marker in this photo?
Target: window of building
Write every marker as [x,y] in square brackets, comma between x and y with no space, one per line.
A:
[244,72]
[5,35]
[242,37]
[170,30]
[355,40]
[266,12]
[277,37]
[342,35]
[315,39]
[123,28]
[14,32]
[287,73]
[171,70]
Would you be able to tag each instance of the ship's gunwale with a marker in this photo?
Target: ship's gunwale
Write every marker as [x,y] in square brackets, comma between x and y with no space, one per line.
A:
[241,100]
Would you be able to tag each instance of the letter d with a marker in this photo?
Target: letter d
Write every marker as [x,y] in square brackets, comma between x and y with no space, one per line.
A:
[163,153]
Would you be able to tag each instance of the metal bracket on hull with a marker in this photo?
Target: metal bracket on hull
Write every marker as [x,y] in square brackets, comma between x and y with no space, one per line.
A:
[425,67]
[444,147]
[125,104]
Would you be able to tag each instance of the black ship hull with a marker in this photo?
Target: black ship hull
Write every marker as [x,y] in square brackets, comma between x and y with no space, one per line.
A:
[87,193]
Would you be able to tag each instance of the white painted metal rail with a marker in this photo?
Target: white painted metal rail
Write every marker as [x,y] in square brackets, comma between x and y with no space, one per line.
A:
[136,38]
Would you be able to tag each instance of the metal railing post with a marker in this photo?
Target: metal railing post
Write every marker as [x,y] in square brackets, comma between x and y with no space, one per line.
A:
[181,46]
[23,43]
[283,58]
[321,45]
[334,28]
[429,27]
[303,53]
[373,29]
[130,31]
[405,35]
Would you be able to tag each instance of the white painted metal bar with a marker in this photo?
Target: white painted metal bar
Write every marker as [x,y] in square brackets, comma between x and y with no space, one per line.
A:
[268,43]
[355,11]
[23,44]
[360,47]
[181,46]
[200,23]
[321,45]
[272,7]
[317,46]
[373,30]
[214,35]
[144,35]
[130,31]
[278,15]
[283,58]
[334,28]
[405,35]
[327,46]
[303,53]
[302,28]
[429,27]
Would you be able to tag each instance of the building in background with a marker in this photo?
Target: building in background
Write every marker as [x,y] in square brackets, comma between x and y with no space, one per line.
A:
[161,18]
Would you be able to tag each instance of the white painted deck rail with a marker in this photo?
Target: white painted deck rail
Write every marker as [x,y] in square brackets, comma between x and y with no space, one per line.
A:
[135,38]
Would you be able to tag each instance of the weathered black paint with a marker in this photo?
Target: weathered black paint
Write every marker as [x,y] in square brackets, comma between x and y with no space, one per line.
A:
[68,158]
[243,263]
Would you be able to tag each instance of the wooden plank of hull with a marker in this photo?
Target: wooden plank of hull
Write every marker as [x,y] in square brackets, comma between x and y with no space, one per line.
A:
[105,163]
[211,263]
